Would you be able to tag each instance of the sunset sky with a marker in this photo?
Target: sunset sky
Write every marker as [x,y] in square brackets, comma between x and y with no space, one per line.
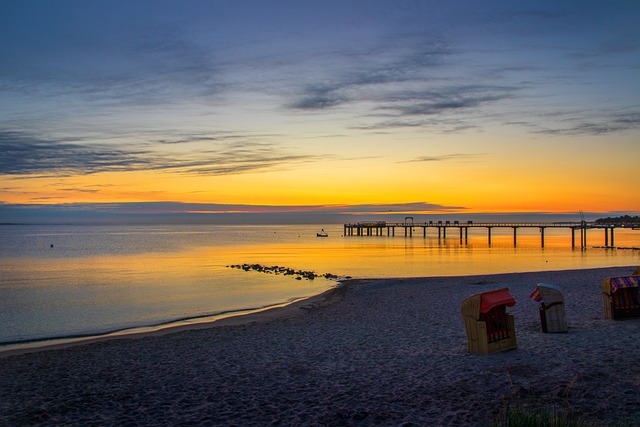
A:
[319,106]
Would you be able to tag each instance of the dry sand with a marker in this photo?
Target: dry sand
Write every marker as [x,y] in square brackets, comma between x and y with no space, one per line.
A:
[373,352]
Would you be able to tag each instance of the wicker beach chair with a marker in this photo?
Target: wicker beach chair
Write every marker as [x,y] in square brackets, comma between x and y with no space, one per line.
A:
[489,327]
[637,272]
[620,297]
[551,301]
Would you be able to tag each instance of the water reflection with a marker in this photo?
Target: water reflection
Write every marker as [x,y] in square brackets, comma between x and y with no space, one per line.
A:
[97,279]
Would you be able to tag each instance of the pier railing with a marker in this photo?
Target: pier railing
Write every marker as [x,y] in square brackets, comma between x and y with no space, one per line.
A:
[378,228]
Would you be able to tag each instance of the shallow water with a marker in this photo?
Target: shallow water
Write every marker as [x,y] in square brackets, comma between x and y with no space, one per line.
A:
[60,281]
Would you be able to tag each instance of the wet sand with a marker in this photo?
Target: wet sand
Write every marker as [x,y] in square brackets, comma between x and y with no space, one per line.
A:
[372,352]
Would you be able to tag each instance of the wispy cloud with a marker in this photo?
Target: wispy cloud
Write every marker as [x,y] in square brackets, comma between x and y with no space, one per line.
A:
[391,208]
[403,82]
[372,73]
[81,190]
[319,98]
[628,43]
[460,157]
[26,154]
[588,123]
[151,66]
[397,78]
[446,99]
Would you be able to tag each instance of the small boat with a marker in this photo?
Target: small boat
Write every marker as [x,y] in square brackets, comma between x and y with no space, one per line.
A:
[322,234]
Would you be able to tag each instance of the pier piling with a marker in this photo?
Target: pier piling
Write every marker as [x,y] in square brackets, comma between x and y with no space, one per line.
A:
[367,229]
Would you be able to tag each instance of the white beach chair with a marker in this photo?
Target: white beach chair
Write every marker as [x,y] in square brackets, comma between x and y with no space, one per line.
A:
[551,301]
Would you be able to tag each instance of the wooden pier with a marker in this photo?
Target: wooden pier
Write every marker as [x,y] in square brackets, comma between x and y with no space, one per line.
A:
[380,228]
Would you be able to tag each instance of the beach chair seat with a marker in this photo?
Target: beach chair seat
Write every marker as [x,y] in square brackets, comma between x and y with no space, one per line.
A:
[551,299]
[620,297]
[488,325]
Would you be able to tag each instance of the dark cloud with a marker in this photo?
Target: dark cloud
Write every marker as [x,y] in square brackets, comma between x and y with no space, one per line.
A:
[319,98]
[185,139]
[196,213]
[447,109]
[26,154]
[394,208]
[588,123]
[445,158]
[441,124]
[216,208]
[166,207]
[361,71]
[81,190]
[458,102]
[402,82]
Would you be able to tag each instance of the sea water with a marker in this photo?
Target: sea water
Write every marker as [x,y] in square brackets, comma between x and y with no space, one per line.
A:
[62,281]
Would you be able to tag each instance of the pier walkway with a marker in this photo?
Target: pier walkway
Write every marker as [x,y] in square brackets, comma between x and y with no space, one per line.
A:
[380,228]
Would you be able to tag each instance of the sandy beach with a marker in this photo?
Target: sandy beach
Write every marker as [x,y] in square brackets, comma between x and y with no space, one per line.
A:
[386,352]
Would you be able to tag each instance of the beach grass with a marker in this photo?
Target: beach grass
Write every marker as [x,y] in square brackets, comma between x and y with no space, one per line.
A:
[521,416]
[518,415]
[519,412]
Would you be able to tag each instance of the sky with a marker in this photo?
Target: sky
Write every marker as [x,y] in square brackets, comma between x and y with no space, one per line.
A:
[335,107]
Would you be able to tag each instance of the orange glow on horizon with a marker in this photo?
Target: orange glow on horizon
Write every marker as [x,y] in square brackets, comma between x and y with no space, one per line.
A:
[486,184]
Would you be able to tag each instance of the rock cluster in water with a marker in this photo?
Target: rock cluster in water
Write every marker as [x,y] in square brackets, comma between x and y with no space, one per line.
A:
[285,271]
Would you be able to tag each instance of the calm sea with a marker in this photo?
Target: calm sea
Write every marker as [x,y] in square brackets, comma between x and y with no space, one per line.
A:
[67,281]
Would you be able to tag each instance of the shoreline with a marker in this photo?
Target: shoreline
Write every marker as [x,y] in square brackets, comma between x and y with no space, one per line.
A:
[235,318]
[372,352]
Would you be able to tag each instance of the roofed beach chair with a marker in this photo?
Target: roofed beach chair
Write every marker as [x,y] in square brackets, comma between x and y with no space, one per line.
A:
[551,301]
[637,272]
[489,327]
[620,297]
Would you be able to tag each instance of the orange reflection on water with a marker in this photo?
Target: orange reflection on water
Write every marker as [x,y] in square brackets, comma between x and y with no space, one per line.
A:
[399,256]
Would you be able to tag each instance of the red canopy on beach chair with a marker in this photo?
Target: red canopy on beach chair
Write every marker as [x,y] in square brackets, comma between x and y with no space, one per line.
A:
[489,300]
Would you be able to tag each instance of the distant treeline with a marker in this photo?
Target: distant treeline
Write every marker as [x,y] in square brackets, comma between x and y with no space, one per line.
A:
[626,219]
